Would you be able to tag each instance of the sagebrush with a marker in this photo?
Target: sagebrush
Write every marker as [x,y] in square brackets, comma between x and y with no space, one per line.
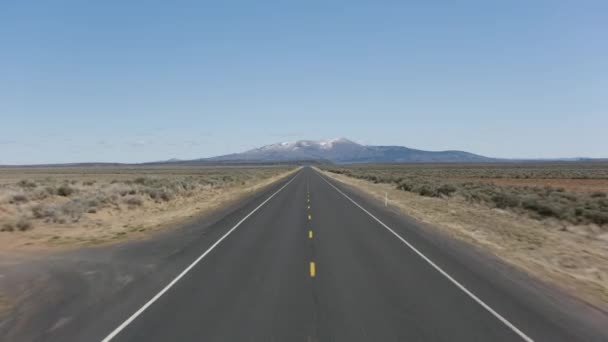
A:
[466,181]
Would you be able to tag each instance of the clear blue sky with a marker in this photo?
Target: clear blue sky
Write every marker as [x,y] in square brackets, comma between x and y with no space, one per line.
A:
[131,81]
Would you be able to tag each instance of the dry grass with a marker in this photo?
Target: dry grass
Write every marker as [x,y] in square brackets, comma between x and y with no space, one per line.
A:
[574,257]
[42,207]
[532,189]
[575,184]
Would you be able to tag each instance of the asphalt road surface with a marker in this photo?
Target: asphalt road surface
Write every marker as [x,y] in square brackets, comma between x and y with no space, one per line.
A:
[314,261]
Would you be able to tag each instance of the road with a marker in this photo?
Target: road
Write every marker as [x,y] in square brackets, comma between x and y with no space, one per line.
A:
[314,261]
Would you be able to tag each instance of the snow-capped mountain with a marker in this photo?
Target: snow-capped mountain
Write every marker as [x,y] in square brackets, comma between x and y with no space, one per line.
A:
[342,150]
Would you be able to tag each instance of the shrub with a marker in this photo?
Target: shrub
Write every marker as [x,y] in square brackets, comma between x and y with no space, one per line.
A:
[405,186]
[19,199]
[38,195]
[153,193]
[165,196]
[74,209]
[599,194]
[540,207]
[23,225]
[92,202]
[65,190]
[503,200]
[446,189]
[25,183]
[426,190]
[140,180]
[134,201]
[596,216]
[7,227]
[41,212]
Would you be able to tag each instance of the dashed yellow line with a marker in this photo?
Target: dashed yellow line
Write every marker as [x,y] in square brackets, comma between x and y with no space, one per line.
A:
[313,269]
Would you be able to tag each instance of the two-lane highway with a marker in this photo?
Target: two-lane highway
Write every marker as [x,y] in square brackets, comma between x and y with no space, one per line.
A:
[312,263]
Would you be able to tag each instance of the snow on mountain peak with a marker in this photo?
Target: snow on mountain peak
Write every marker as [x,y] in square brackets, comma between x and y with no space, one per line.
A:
[325,144]
[329,143]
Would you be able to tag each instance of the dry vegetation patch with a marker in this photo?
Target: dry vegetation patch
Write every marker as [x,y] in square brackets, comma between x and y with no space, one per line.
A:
[547,231]
[532,189]
[67,206]
[574,185]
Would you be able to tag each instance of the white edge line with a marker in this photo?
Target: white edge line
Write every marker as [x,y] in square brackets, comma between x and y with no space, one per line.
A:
[124,324]
[438,269]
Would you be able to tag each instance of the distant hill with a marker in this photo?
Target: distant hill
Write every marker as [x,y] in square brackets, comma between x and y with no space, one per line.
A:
[342,150]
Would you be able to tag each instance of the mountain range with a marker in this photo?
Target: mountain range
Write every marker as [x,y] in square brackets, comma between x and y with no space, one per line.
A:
[339,151]
[342,150]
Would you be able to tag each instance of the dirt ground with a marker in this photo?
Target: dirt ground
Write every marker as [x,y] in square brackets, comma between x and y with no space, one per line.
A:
[575,258]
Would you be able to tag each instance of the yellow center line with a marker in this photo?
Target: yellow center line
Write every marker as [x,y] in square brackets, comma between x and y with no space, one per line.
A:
[309,217]
[310,234]
[313,270]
